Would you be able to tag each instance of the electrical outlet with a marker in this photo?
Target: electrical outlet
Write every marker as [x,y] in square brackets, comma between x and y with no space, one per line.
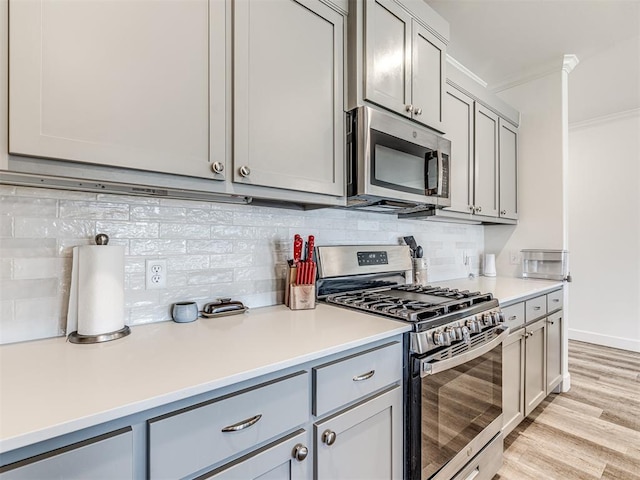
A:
[156,276]
[514,257]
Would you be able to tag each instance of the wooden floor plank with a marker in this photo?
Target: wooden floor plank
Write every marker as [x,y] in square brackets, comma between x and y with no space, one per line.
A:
[591,432]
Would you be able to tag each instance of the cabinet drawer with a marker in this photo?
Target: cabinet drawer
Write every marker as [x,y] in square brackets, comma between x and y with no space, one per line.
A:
[514,315]
[345,380]
[536,308]
[555,301]
[191,439]
[104,457]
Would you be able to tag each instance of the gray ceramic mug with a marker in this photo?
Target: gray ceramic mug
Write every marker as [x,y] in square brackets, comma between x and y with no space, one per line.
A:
[184,312]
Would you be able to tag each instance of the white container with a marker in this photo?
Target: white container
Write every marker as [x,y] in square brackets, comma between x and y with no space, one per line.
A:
[489,265]
[546,264]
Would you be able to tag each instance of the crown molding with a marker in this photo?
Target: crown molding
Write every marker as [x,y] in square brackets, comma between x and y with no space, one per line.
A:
[466,71]
[569,62]
[592,122]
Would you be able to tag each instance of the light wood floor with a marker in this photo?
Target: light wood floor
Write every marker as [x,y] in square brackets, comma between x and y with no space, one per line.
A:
[590,432]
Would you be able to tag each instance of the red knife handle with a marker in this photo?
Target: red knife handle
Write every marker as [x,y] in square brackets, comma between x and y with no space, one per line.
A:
[310,245]
[297,248]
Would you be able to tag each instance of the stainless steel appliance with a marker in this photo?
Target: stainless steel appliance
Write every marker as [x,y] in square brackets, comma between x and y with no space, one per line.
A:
[393,164]
[453,358]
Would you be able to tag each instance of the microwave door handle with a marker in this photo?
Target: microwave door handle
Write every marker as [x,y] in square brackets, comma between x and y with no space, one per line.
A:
[431,368]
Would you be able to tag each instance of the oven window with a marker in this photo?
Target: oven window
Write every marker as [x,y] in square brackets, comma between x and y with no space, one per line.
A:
[398,164]
[457,404]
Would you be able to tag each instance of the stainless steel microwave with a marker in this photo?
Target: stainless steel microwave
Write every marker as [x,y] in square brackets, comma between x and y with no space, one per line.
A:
[395,165]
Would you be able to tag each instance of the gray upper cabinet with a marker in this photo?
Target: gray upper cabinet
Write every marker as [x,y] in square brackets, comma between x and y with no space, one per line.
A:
[403,62]
[388,55]
[508,152]
[122,84]
[459,120]
[485,184]
[288,95]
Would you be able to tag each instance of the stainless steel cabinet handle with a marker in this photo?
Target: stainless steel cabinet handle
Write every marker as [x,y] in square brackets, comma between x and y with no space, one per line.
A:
[409,108]
[217,167]
[537,308]
[472,208]
[417,111]
[245,171]
[364,376]
[556,300]
[300,452]
[329,437]
[551,322]
[243,424]
[512,317]
[503,212]
[478,209]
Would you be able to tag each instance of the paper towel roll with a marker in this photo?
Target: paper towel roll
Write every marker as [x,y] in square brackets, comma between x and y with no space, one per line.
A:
[490,265]
[96,300]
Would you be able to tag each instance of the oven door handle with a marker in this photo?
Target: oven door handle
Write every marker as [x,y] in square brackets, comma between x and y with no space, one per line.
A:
[431,368]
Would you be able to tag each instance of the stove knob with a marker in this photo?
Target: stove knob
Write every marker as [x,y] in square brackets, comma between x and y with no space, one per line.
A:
[474,325]
[499,317]
[457,333]
[451,333]
[440,338]
[487,319]
[466,336]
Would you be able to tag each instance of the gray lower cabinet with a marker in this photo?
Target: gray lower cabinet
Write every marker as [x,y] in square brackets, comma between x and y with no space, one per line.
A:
[364,441]
[187,441]
[288,95]
[362,435]
[535,365]
[513,381]
[106,457]
[282,460]
[554,351]
[532,356]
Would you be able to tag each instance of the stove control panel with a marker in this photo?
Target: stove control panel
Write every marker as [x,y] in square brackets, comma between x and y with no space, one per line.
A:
[459,331]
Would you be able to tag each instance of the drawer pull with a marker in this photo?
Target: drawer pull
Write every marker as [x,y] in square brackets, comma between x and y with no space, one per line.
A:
[243,424]
[364,376]
[512,317]
[300,452]
[537,308]
[555,300]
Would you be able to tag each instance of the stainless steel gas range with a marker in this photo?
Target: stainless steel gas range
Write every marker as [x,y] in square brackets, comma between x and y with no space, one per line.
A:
[452,364]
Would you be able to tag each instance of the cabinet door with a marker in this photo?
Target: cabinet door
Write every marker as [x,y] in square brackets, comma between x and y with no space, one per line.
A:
[387,46]
[554,351]
[288,97]
[282,460]
[486,162]
[112,83]
[428,77]
[458,116]
[106,457]
[362,442]
[508,137]
[513,381]
[535,365]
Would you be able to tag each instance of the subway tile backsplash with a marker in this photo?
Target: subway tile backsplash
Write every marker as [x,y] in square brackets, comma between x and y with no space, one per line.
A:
[212,250]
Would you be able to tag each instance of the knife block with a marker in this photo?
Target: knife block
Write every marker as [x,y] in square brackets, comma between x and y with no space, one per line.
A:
[298,297]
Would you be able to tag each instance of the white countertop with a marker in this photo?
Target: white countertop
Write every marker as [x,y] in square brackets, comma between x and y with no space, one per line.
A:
[506,289]
[51,387]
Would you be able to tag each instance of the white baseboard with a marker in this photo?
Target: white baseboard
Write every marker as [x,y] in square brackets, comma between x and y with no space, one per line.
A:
[605,340]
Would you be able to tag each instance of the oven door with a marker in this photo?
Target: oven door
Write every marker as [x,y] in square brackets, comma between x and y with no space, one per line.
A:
[456,405]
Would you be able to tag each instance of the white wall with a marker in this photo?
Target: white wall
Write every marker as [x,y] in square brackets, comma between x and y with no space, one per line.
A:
[540,173]
[604,230]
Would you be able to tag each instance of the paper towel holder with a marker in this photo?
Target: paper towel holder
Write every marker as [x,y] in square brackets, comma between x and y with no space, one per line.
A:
[75,337]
